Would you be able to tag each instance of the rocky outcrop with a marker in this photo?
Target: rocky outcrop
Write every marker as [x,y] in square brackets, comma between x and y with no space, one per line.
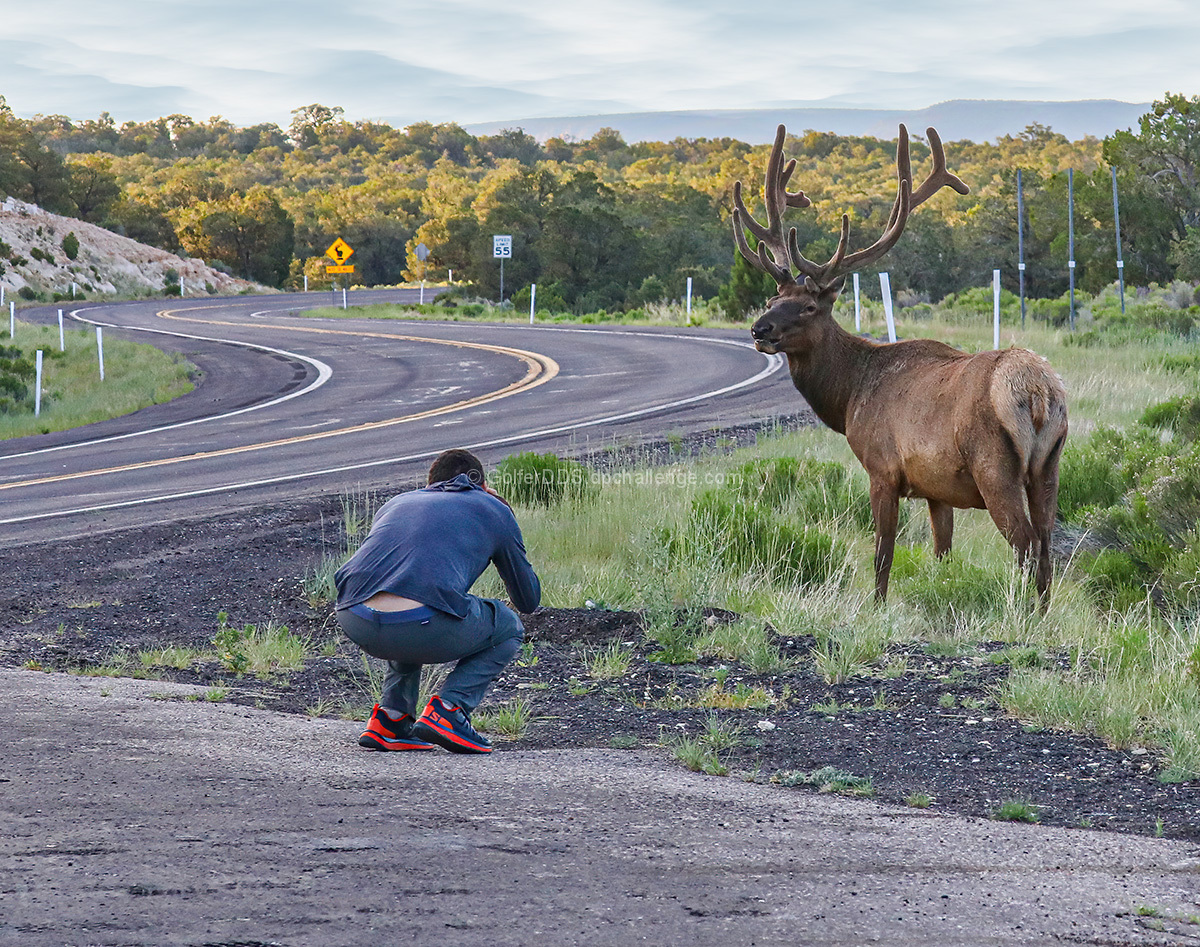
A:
[32,254]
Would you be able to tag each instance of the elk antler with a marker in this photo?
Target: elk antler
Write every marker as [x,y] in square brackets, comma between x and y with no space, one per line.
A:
[776,196]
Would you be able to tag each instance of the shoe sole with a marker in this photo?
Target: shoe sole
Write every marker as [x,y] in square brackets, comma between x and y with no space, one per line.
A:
[372,741]
[446,738]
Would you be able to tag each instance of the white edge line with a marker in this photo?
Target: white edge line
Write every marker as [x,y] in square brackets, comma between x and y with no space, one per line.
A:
[324,373]
[774,363]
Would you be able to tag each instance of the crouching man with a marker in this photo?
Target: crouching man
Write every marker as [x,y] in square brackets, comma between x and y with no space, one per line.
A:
[403,597]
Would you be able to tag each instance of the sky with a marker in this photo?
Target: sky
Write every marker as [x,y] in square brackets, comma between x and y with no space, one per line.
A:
[469,61]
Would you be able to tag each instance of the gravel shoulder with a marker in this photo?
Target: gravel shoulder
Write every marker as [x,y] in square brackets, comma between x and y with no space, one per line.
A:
[132,818]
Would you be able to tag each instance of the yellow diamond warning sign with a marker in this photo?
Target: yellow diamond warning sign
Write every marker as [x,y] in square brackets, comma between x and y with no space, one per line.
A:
[339,251]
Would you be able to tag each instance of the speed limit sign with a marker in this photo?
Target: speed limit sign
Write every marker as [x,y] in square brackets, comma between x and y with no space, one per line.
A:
[502,246]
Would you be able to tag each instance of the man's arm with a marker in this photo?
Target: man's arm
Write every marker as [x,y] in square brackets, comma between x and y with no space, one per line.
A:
[519,578]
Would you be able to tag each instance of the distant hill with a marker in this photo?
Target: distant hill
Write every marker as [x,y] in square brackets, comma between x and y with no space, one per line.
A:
[971,119]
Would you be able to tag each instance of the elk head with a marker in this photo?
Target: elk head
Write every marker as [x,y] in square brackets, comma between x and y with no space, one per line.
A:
[802,308]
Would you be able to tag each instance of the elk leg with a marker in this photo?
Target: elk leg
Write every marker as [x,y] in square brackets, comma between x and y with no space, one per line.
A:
[885,508]
[941,519]
[1042,492]
[1006,506]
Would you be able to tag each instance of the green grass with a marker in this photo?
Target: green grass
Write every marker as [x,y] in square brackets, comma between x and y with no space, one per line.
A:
[674,540]
[1015,810]
[704,313]
[609,662]
[267,650]
[510,719]
[136,375]
[828,779]
[705,752]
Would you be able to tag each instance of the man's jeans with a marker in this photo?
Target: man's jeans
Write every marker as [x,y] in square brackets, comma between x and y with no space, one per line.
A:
[483,643]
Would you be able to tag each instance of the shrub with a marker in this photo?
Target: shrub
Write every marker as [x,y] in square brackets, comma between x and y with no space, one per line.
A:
[944,587]
[1182,415]
[1088,479]
[70,245]
[530,479]
[755,538]
[813,489]
[1113,579]
[27,293]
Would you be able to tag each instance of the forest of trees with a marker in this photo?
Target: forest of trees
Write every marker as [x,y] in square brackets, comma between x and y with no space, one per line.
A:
[602,224]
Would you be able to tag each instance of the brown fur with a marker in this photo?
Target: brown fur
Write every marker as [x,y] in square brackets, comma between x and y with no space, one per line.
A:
[961,431]
[980,431]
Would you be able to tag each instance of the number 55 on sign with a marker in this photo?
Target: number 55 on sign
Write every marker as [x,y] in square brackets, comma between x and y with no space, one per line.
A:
[502,246]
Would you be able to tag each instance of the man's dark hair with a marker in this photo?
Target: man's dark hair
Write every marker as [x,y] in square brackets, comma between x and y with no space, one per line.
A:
[449,464]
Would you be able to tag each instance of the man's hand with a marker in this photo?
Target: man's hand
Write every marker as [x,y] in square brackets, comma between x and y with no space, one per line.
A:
[488,489]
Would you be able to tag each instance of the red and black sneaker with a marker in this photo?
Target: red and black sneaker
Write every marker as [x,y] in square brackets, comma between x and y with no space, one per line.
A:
[384,733]
[449,727]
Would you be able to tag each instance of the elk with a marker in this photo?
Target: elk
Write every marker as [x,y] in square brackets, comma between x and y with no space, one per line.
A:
[925,420]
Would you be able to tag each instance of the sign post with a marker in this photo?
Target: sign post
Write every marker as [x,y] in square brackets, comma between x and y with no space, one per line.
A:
[340,251]
[422,255]
[1021,244]
[502,250]
[1071,238]
[1117,224]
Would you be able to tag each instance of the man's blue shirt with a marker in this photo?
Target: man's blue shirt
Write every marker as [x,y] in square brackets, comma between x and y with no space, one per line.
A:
[431,545]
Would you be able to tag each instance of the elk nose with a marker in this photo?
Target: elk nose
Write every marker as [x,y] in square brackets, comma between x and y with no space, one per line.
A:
[761,329]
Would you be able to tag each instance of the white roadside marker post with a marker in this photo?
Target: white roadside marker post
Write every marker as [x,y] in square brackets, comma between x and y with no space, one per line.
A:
[12,320]
[37,386]
[532,300]
[857,306]
[62,337]
[995,309]
[885,284]
[100,350]
[689,296]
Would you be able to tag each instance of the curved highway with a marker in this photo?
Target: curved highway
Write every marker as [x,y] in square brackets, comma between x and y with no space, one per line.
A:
[289,406]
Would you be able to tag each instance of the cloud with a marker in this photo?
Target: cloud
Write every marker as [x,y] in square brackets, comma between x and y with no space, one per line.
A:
[479,60]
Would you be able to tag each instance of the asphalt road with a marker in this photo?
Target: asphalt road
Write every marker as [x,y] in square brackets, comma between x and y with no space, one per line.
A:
[292,406]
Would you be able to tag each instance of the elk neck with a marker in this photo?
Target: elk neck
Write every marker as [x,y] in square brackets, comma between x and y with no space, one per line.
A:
[830,371]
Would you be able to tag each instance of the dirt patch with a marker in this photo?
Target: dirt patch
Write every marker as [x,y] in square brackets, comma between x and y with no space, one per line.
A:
[932,731]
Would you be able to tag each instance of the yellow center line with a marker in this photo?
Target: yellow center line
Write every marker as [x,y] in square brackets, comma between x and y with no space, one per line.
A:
[539,370]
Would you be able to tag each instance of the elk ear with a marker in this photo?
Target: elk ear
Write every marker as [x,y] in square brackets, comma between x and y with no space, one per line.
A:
[811,285]
[830,293]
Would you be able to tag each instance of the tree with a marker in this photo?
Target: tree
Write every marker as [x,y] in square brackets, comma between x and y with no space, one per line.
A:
[1158,174]
[250,233]
[748,288]
[309,121]
[92,186]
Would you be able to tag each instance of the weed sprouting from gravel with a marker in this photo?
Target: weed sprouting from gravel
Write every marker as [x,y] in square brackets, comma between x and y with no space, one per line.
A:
[609,662]
[702,753]
[827,779]
[510,719]
[1015,810]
